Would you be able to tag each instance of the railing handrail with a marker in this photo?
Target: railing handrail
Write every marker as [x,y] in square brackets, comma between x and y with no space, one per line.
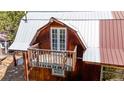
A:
[35,45]
[64,51]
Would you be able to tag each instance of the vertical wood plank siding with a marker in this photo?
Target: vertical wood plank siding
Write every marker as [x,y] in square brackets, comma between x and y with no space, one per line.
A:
[72,40]
[44,74]
[43,38]
[90,72]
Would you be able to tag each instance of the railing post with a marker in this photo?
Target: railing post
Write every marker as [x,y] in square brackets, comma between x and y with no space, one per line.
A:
[37,57]
[74,57]
[26,62]
[14,59]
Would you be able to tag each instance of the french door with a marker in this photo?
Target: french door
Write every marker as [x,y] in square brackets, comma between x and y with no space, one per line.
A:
[58,39]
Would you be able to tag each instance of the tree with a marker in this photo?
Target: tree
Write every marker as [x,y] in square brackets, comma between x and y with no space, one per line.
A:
[109,73]
[9,22]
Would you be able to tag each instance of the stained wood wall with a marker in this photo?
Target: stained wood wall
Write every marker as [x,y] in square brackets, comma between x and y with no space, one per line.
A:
[43,39]
[82,71]
[45,74]
[91,72]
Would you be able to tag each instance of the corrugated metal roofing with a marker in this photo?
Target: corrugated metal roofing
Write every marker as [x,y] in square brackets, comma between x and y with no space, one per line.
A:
[118,14]
[112,56]
[25,34]
[101,31]
[89,30]
[112,34]
[92,55]
[71,15]
[112,41]
[36,20]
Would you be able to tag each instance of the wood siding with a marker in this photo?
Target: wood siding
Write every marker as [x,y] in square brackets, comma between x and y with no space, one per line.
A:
[83,72]
[43,38]
[91,72]
[45,74]
[42,74]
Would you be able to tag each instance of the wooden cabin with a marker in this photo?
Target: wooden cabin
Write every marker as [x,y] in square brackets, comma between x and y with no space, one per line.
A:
[70,45]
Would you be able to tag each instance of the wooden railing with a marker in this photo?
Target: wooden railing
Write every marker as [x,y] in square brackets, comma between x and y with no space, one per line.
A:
[52,59]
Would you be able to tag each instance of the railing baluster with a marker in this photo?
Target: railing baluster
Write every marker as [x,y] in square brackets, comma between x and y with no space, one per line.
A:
[43,57]
[73,61]
[58,58]
[46,58]
[51,57]
[55,55]
[30,58]
[62,59]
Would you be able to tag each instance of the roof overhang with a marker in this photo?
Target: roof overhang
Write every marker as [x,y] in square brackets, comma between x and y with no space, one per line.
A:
[66,24]
[17,46]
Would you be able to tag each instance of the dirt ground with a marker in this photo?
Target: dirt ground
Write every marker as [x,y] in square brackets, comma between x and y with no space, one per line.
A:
[9,72]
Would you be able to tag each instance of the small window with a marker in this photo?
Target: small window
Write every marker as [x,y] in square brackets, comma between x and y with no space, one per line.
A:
[58,72]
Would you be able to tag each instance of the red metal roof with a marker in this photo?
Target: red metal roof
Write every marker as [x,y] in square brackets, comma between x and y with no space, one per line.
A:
[118,14]
[112,41]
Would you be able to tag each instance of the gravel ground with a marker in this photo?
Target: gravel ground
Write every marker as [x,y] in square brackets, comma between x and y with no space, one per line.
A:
[8,72]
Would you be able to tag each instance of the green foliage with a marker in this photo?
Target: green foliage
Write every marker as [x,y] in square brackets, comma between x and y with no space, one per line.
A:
[109,73]
[9,22]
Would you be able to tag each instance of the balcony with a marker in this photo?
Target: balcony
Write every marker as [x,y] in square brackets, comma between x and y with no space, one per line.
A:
[44,58]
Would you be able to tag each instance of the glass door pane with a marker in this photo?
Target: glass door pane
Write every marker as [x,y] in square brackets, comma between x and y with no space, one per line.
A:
[62,39]
[54,39]
[58,39]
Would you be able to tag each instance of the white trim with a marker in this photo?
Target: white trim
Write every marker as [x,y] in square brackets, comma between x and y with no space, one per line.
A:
[58,36]
[55,73]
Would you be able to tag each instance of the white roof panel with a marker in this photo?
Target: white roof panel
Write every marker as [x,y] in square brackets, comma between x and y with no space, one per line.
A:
[25,34]
[87,30]
[85,23]
[19,46]
[92,55]
[70,15]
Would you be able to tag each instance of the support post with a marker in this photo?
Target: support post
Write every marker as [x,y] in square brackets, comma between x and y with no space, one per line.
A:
[14,59]
[26,61]
[6,47]
[101,73]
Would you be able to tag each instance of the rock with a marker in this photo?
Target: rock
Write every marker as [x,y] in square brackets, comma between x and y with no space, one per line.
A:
[16,72]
